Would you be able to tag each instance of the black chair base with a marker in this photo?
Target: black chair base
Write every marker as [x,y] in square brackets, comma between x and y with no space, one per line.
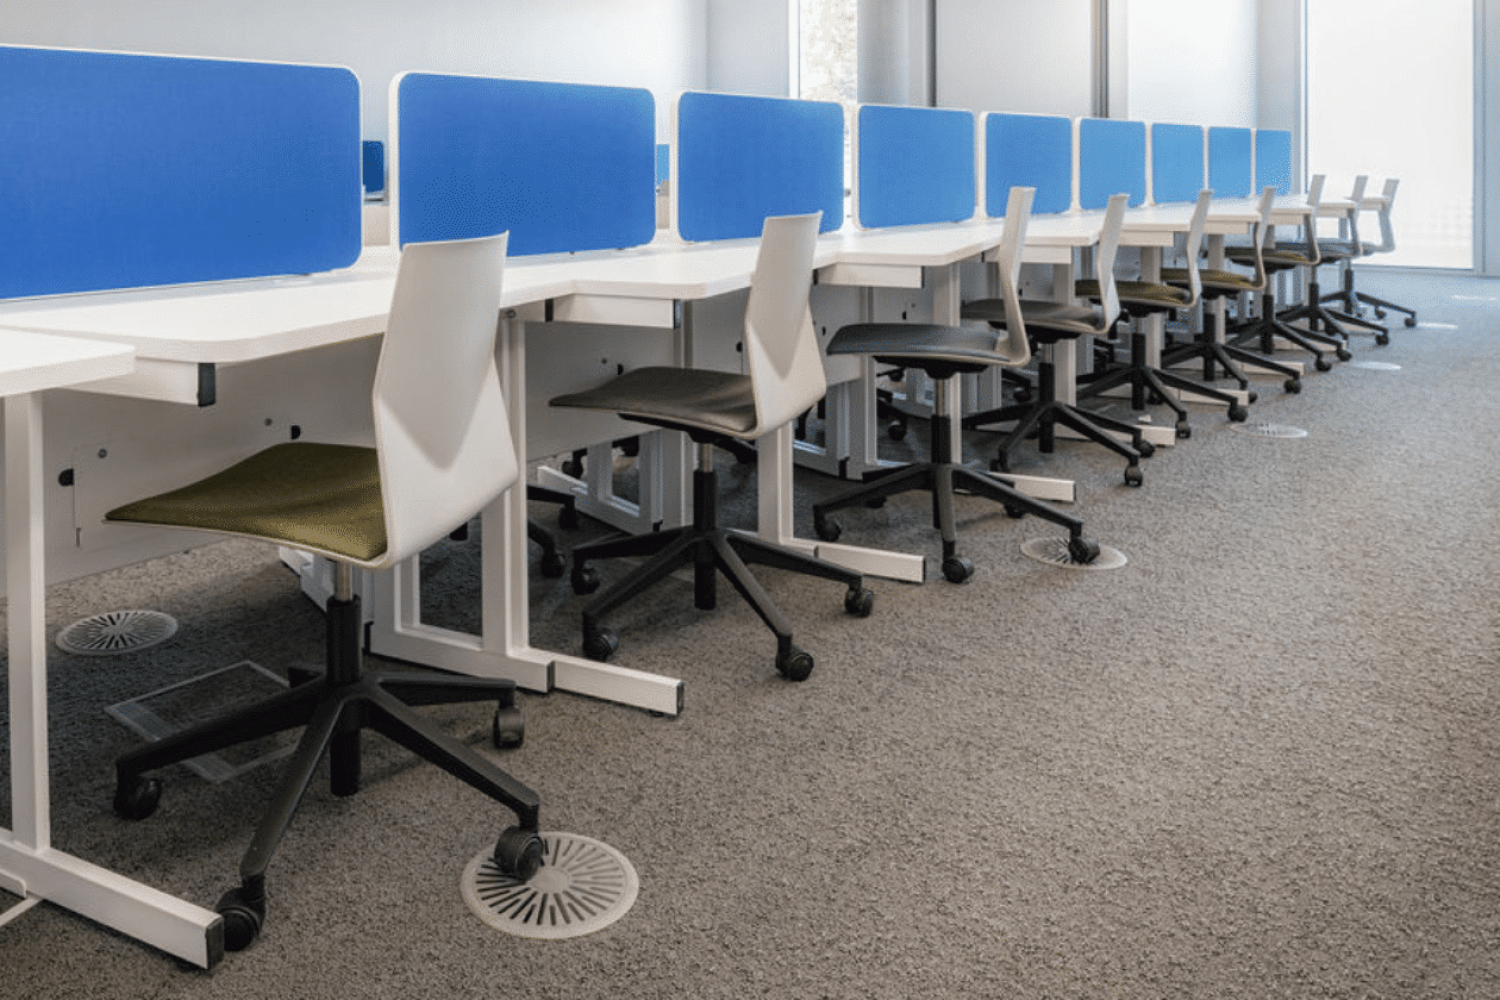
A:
[1150,383]
[335,707]
[1214,354]
[1264,329]
[1330,323]
[1042,417]
[710,550]
[1354,302]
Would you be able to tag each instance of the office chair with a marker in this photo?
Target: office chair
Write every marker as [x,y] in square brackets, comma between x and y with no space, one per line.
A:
[1267,326]
[1219,284]
[1048,324]
[442,451]
[1140,299]
[943,353]
[785,378]
[1353,301]
[1339,252]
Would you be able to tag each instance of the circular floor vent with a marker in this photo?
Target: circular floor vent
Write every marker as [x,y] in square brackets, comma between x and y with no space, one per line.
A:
[1054,552]
[1376,366]
[116,632]
[1270,430]
[582,886]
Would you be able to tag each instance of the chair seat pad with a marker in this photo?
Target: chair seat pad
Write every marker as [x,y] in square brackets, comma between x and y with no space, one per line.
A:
[1046,321]
[913,343]
[1211,277]
[1147,293]
[682,398]
[1279,257]
[323,497]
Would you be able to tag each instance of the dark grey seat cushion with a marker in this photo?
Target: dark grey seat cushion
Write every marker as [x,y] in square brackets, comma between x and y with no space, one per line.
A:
[684,398]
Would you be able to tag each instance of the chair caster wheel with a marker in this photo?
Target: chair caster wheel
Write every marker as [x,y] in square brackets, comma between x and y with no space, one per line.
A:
[896,430]
[1382,339]
[859,601]
[875,503]
[567,517]
[1000,464]
[1293,385]
[1322,364]
[138,799]
[553,565]
[1082,551]
[243,918]
[1146,448]
[1411,321]
[1133,476]
[573,467]
[518,853]
[1379,313]
[826,528]
[957,569]
[1184,431]
[600,644]
[507,728]
[794,664]
[1238,413]
[585,580]
[1250,397]
[1344,354]
[1014,512]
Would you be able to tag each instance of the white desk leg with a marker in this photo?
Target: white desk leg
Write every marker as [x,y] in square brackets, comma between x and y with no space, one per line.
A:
[28,864]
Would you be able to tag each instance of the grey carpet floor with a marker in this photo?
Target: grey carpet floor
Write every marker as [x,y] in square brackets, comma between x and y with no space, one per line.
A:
[1260,760]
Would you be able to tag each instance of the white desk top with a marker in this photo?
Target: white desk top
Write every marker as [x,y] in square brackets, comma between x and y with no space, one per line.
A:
[32,362]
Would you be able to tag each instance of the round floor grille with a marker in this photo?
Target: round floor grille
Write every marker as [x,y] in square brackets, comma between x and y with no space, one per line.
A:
[1376,366]
[582,886]
[116,632]
[1437,326]
[1054,552]
[1270,430]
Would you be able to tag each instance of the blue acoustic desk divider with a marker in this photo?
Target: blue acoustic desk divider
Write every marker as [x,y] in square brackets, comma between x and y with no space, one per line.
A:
[1111,159]
[913,165]
[739,159]
[120,171]
[1028,151]
[1229,171]
[374,166]
[1177,158]
[1273,160]
[562,166]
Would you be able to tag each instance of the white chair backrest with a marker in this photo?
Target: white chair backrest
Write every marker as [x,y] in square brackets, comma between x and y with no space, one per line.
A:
[1196,228]
[1258,237]
[782,355]
[1351,217]
[1387,231]
[1310,217]
[1104,258]
[1008,259]
[441,428]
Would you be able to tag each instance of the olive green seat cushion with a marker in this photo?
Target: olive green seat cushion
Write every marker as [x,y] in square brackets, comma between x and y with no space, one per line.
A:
[303,494]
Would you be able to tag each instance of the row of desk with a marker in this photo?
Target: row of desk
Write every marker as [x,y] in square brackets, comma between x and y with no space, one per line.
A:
[253,360]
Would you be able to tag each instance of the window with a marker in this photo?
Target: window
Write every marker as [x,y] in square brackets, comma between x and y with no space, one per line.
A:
[1364,116]
[828,50]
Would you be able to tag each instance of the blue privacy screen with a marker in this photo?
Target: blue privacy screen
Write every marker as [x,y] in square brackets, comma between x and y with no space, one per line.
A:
[1273,160]
[740,159]
[1029,151]
[121,171]
[1111,159]
[915,165]
[374,166]
[562,166]
[1229,162]
[1176,162]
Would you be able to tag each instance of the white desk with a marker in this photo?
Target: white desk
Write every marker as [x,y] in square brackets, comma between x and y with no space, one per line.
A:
[29,865]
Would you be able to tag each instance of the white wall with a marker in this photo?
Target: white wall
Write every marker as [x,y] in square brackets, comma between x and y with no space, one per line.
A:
[658,44]
[749,47]
[1016,55]
[1192,62]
